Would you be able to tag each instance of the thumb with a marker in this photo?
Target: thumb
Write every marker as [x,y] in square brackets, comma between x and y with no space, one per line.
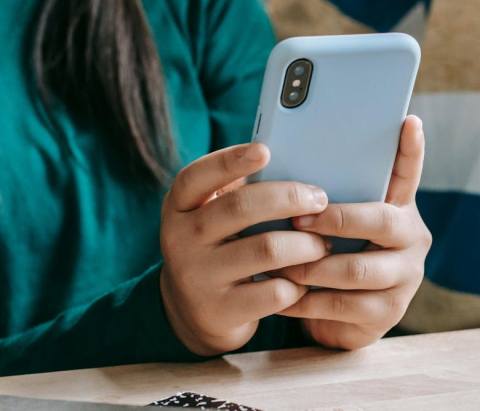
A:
[407,169]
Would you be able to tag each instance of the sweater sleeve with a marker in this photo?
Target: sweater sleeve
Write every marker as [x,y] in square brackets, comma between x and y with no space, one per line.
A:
[124,326]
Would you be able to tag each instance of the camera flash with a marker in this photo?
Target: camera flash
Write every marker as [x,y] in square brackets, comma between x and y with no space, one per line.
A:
[296,83]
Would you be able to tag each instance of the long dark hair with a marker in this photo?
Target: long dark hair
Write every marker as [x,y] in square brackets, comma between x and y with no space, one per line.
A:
[99,58]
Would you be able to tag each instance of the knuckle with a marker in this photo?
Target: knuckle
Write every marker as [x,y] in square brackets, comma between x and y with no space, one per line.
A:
[236,203]
[270,248]
[225,163]
[296,195]
[389,220]
[278,295]
[300,274]
[338,303]
[183,181]
[414,268]
[375,310]
[427,237]
[396,306]
[418,274]
[387,309]
[357,270]
[339,220]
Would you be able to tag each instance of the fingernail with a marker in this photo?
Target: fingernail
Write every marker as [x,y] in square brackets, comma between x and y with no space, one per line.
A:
[320,196]
[253,153]
[306,221]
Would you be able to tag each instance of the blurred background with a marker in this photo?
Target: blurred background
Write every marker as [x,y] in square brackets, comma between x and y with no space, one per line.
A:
[448,30]
[447,98]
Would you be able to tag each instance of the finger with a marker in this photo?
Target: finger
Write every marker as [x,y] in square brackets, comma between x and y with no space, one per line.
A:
[255,300]
[374,270]
[335,334]
[196,183]
[237,183]
[265,252]
[356,307]
[256,203]
[382,224]
[408,163]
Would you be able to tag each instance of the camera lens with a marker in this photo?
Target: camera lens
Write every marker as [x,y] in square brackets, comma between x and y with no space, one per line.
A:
[296,83]
[299,70]
[293,96]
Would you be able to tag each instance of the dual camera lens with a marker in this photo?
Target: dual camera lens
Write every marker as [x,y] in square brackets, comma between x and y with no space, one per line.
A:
[297,80]
[299,70]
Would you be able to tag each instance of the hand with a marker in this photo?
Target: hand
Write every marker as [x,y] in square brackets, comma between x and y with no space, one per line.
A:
[210,299]
[367,293]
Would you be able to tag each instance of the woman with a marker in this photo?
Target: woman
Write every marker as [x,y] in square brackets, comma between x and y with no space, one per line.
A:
[86,150]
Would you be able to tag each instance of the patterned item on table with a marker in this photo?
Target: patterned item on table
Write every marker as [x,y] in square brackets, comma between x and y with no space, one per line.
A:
[199,401]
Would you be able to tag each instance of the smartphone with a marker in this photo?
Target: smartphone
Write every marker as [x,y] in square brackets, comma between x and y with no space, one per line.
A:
[331,112]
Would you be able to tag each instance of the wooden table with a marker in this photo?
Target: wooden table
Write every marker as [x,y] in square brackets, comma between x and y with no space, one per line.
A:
[428,372]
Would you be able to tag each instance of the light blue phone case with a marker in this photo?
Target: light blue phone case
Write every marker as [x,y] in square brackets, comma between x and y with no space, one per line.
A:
[344,137]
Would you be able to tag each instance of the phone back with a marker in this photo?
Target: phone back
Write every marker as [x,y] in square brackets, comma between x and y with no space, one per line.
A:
[345,135]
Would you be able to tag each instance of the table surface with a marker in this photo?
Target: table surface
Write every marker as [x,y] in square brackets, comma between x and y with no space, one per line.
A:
[427,372]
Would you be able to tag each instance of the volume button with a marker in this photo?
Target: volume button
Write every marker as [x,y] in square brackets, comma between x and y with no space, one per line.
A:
[258,121]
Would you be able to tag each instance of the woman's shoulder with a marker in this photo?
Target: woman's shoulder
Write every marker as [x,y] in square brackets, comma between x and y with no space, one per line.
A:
[200,17]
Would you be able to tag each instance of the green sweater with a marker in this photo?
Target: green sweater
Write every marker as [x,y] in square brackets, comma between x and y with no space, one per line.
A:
[79,243]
